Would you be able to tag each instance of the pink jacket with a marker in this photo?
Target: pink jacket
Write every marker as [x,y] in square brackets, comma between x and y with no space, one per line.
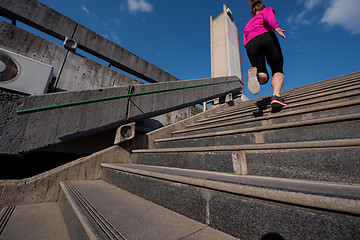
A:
[262,22]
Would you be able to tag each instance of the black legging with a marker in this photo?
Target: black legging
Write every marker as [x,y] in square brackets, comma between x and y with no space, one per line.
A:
[265,46]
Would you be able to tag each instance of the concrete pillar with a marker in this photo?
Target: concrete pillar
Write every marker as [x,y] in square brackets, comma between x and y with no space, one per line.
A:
[225,46]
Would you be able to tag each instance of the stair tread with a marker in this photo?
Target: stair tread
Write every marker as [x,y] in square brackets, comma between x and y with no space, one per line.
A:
[41,221]
[137,218]
[334,196]
[254,104]
[269,127]
[260,146]
[225,120]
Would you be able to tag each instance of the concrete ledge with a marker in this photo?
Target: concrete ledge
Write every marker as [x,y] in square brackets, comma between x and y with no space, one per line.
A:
[38,16]
[45,187]
[245,208]
[335,197]
[265,146]
[31,131]
[82,219]
[131,217]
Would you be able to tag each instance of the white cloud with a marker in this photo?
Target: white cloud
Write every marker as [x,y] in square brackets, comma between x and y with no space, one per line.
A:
[117,21]
[310,4]
[110,33]
[303,17]
[115,38]
[140,5]
[87,11]
[344,13]
[122,7]
[112,36]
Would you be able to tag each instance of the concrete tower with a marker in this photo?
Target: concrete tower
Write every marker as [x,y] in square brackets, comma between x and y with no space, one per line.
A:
[225,46]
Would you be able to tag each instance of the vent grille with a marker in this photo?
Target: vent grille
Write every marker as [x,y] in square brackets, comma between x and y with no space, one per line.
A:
[9,70]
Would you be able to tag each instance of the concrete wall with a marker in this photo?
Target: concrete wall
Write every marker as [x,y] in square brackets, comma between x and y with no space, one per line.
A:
[77,72]
[31,131]
[80,73]
[71,71]
[45,187]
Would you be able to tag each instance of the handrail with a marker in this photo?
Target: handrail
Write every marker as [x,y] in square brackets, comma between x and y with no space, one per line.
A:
[45,108]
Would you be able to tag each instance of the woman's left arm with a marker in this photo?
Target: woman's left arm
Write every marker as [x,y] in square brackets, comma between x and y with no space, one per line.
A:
[270,19]
[280,32]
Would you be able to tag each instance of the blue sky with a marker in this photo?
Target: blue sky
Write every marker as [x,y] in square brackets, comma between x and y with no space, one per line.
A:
[322,36]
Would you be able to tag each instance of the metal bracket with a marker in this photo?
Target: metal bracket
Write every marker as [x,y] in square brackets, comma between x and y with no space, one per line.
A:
[70,44]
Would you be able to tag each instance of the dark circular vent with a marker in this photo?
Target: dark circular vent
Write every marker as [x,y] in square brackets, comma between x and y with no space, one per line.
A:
[8,68]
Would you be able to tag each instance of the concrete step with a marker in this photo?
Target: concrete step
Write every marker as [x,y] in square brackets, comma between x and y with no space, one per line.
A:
[334,161]
[261,106]
[326,85]
[104,211]
[330,128]
[246,207]
[330,87]
[237,122]
[33,222]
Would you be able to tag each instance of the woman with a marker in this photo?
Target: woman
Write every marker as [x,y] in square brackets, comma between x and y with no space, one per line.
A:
[261,43]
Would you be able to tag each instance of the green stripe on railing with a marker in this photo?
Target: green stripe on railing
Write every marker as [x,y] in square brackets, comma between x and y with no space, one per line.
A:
[39,109]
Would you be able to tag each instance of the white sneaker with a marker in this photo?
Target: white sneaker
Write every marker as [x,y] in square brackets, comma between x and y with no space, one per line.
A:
[253,83]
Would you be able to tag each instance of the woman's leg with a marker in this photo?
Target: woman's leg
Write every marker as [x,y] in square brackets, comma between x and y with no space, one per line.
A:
[277,83]
[258,73]
[275,60]
[253,80]
[263,78]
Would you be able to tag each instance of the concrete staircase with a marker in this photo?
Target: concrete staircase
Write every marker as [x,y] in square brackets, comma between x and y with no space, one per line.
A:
[247,172]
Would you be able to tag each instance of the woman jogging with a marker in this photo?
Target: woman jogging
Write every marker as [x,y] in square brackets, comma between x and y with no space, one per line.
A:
[262,44]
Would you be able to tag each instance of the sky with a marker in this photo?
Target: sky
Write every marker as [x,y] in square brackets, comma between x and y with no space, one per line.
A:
[322,36]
